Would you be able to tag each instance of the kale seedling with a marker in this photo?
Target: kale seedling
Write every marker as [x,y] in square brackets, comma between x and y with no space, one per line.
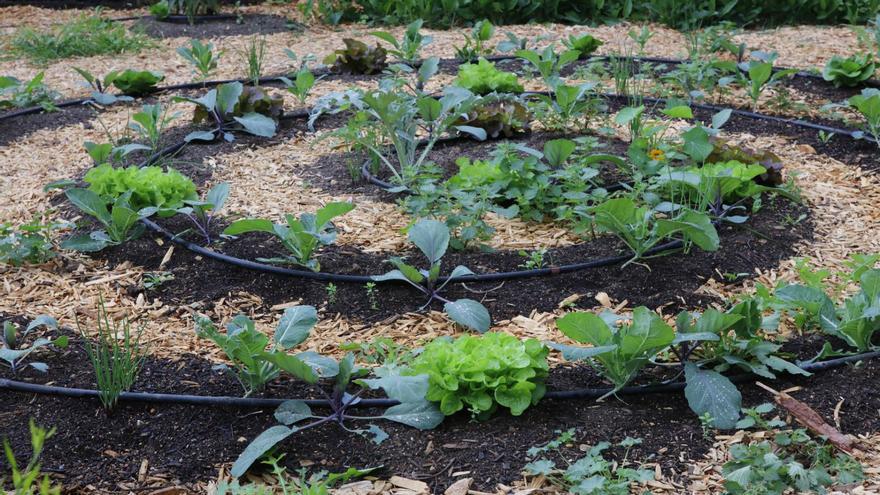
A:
[296,416]
[432,239]
[12,350]
[202,213]
[301,236]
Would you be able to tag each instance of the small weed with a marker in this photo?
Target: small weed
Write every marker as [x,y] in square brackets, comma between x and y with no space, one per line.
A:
[331,293]
[534,260]
[790,461]
[592,473]
[792,221]
[706,425]
[154,280]
[372,295]
[380,351]
[28,243]
[27,481]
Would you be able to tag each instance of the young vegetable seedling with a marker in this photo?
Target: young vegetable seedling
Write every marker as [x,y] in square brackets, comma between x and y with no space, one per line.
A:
[432,239]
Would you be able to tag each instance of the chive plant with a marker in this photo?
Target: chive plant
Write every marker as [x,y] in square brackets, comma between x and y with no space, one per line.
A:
[116,356]
[255,55]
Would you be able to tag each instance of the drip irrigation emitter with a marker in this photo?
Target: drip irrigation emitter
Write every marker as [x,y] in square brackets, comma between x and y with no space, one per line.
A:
[257,402]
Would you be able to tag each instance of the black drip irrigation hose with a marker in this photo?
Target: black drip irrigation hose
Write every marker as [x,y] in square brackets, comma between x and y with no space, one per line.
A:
[345,278]
[255,402]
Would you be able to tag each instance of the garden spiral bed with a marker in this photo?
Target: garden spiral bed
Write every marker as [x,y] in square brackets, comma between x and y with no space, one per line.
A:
[457,436]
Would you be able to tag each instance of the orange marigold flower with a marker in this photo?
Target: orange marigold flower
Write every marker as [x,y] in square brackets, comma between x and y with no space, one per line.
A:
[657,154]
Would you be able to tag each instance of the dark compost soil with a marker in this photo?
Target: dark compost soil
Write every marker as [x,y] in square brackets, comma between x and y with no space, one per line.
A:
[22,126]
[187,443]
[245,25]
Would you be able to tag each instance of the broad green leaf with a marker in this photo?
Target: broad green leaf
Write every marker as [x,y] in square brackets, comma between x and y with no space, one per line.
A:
[469,313]
[250,225]
[696,144]
[557,151]
[779,364]
[292,365]
[870,283]
[679,112]
[431,237]
[90,203]
[714,321]
[84,243]
[41,367]
[710,392]
[396,275]
[400,388]
[385,36]
[460,271]
[647,333]
[257,124]
[628,114]
[759,73]
[293,328]
[721,118]
[429,68]
[478,133]
[750,322]
[42,320]
[292,411]
[694,337]
[331,211]
[227,97]
[577,353]
[694,226]
[429,108]
[347,369]
[258,447]
[586,328]
[216,197]
[324,366]
[423,415]
[200,136]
